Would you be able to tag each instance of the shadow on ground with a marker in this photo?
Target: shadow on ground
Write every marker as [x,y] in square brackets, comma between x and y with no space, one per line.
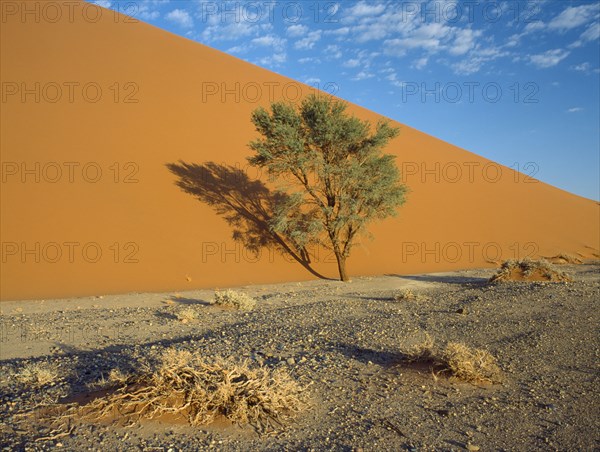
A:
[446,279]
[190,301]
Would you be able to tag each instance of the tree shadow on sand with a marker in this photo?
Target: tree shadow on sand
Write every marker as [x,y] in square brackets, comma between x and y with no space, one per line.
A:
[247,205]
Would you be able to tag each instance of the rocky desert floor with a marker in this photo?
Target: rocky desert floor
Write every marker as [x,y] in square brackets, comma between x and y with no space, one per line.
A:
[344,343]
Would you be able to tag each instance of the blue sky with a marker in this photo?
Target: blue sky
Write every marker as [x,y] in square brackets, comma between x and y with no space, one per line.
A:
[515,81]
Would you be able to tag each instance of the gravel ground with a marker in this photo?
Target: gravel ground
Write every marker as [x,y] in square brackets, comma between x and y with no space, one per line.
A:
[344,342]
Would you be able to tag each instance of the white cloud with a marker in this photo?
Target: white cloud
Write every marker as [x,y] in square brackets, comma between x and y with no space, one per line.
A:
[297,30]
[144,12]
[393,78]
[468,67]
[229,32]
[549,58]
[570,18]
[428,37]
[392,23]
[269,41]
[574,110]
[238,49]
[364,9]
[363,60]
[490,52]
[280,58]
[534,26]
[275,60]
[308,42]
[308,60]
[420,63]
[476,58]
[376,20]
[371,32]
[464,41]
[312,81]
[352,62]
[363,75]
[338,31]
[586,68]
[103,3]
[531,27]
[148,15]
[514,40]
[574,16]
[228,27]
[333,51]
[180,17]
[592,33]
[583,67]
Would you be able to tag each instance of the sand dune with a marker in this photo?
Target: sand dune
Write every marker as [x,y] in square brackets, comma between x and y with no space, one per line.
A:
[93,111]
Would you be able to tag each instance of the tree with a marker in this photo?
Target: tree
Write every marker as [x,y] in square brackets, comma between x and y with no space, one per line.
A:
[331,167]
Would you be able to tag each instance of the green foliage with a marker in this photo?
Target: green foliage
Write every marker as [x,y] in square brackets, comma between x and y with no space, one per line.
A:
[331,167]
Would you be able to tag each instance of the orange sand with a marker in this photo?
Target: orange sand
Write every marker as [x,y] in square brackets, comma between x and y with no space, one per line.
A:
[154,237]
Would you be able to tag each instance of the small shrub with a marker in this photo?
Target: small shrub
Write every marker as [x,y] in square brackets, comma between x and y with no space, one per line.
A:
[460,361]
[470,364]
[116,377]
[529,270]
[38,374]
[235,300]
[409,295]
[404,294]
[186,315]
[200,390]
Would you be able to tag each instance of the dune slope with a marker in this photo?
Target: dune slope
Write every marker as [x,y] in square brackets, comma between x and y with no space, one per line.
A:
[94,108]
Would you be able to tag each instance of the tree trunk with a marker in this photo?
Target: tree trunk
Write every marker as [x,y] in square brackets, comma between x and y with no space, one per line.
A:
[341,261]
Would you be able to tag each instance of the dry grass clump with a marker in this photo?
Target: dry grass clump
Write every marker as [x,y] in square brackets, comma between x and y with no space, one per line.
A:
[199,390]
[38,374]
[409,295]
[529,270]
[471,364]
[116,377]
[235,300]
[460,361]
[564,258]
[186,315]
